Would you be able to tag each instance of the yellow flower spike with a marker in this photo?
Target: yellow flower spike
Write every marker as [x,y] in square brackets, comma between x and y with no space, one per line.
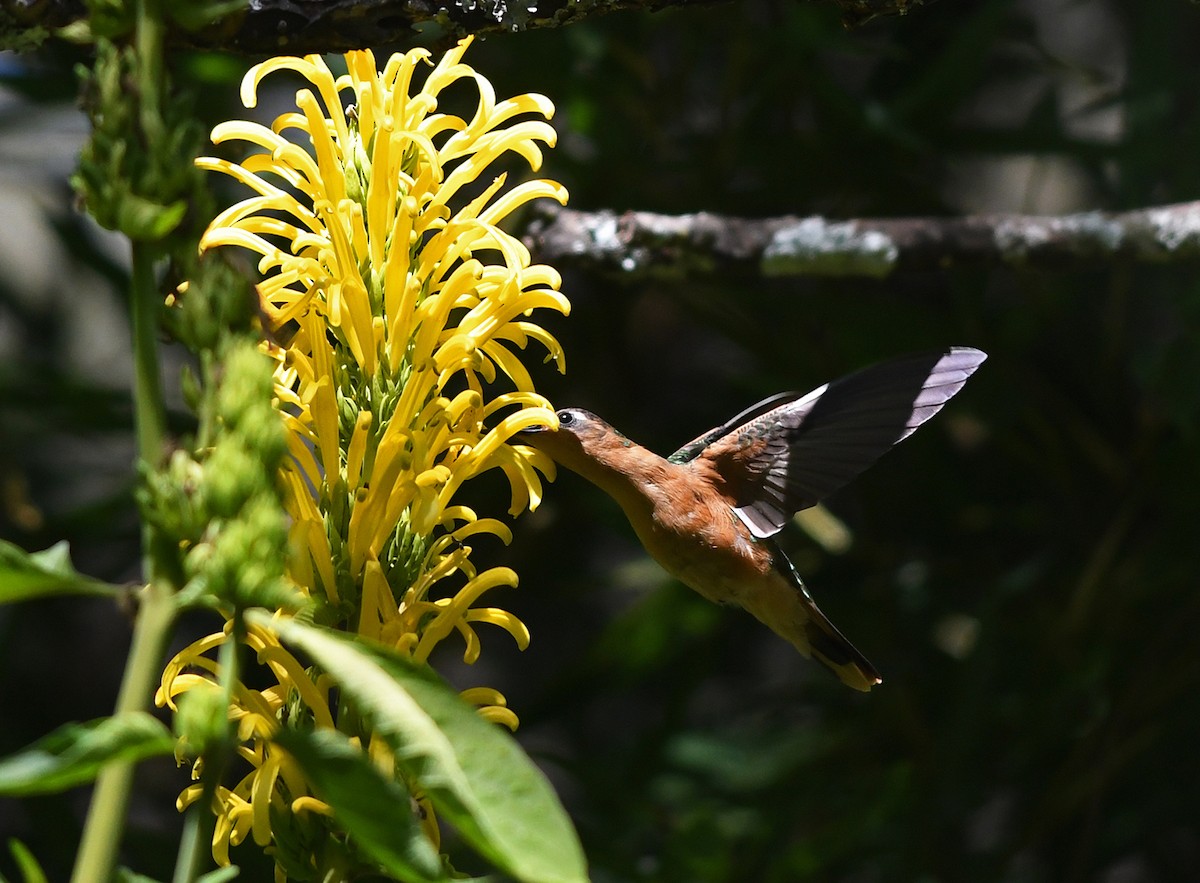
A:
[503,619]
[438,567]
[291,774]
[403,313]
[453,514]
[520,333]
[311,804]
[508,362]
[490,451]
[505,717]
[221,833]
[484,525]
[492,705]
[190,656]
[188,796]
[289,671]
[428,819]
[358,449]
[242,817]
[497,202]
[483,696]
[451,613]
[303,469]
[541,409]
[323,409]
[378,604]
[521,466]
[260,800]
[471,639]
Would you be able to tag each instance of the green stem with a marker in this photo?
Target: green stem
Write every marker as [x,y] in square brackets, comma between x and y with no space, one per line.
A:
[106,817]
[198,829]
[149,414]
[148,41]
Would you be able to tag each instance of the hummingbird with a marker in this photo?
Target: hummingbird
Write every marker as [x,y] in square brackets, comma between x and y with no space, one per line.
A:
[709,512]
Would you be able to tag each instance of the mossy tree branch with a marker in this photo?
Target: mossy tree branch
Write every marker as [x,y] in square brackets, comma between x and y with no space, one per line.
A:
[644,244]
[301,26]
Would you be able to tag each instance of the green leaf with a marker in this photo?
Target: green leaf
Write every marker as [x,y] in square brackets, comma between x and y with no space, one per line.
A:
[376,811]
[219,875]
[31,871]
[74,753]
[144,220]
[49,572]
[125,875]
[475,774]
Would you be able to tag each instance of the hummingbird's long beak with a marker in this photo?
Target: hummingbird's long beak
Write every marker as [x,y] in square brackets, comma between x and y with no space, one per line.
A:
[531,430]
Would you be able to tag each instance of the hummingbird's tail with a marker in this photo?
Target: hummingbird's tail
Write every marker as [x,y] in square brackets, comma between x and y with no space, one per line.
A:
[792,613]
[830,648]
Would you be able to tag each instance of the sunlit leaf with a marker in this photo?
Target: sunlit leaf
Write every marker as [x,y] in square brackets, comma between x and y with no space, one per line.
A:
[31,871]
[125,875]
[218,875]
[376,811]
[74,753]
[474,773]
[49,572]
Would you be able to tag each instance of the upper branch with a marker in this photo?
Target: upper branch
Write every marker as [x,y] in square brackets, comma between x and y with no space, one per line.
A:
[302,26]
[647,244]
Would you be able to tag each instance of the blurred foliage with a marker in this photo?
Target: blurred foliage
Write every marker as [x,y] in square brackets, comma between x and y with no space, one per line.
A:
[1023,572]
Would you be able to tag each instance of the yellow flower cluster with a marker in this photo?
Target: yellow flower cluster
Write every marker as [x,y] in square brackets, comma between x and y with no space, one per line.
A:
[401,302]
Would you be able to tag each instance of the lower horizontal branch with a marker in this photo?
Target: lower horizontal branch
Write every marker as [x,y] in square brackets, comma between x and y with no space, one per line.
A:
[648,244]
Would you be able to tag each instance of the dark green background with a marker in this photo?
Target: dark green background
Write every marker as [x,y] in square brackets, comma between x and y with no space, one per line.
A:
[1052,508]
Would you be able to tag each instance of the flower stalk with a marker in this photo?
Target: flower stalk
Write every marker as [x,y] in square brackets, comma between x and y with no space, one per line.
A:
[152,215]
[96,859]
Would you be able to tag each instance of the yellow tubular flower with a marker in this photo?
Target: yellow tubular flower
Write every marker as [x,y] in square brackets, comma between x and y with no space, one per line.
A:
[403,304]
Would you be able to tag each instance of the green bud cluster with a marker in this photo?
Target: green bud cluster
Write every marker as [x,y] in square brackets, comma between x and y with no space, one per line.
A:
[219,302]
[219,507]
[130,176]
[241,554]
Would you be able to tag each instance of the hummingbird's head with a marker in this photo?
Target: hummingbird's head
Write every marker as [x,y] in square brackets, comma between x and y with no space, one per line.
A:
[581,438]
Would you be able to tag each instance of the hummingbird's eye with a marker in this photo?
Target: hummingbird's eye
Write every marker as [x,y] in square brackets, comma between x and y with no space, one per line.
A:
[565,418]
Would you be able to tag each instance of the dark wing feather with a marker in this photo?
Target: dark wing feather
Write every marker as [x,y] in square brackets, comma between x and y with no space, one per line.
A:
[788,457]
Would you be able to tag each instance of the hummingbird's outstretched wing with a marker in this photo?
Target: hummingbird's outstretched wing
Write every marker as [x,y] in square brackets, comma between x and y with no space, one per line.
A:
[790,451]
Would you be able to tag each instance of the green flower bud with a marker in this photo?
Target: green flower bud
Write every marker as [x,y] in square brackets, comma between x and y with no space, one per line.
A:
[246,389]
[202,721]
[232,475]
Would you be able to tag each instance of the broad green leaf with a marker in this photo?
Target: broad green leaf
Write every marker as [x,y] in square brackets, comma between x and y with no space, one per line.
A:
[74,753]
[376,811]
[27,864]
[475,774]
[49,572]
